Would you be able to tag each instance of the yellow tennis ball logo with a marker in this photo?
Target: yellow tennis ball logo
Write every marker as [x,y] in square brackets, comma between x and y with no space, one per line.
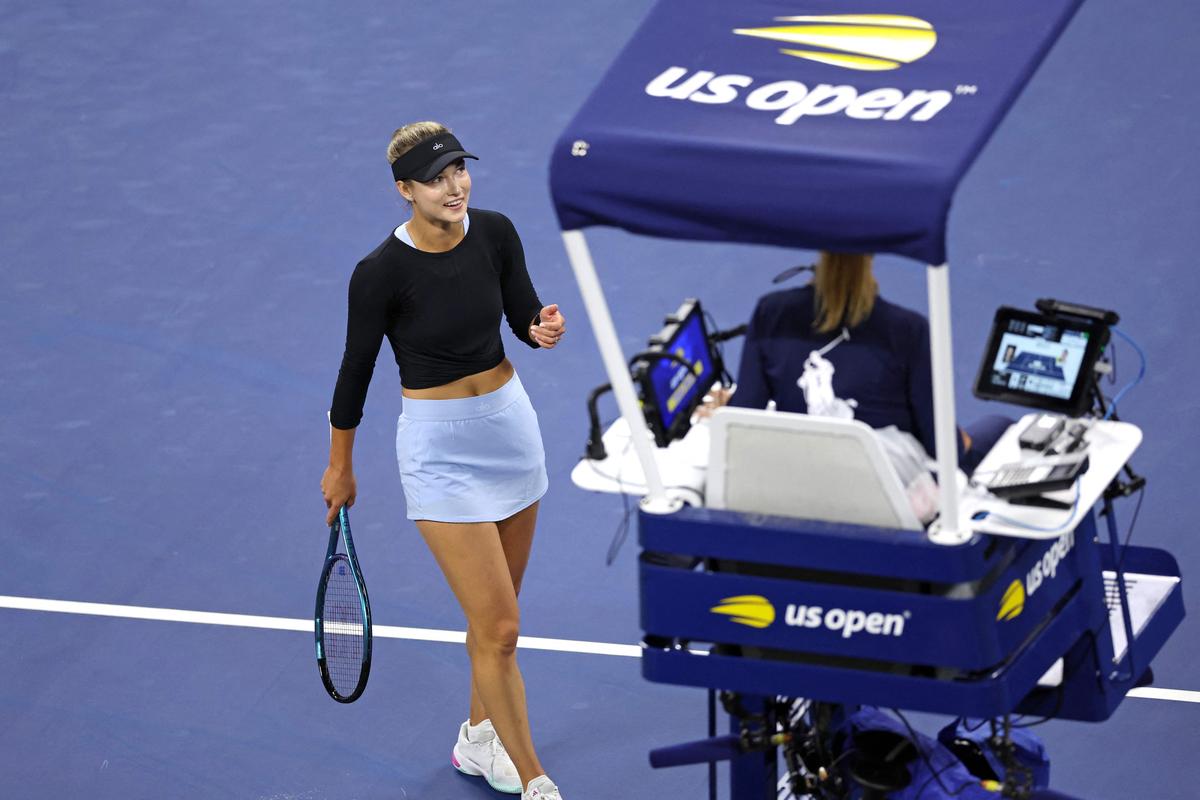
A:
[753,610]
[1013,601]
[872,42]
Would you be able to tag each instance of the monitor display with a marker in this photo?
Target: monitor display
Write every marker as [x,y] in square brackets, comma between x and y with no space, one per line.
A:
[671,391]
[1041,361]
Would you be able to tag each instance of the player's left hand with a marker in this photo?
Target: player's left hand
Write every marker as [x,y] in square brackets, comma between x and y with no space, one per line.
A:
[553,326]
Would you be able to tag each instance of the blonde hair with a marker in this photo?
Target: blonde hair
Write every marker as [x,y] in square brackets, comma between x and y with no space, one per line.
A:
[409,136]
[845,290]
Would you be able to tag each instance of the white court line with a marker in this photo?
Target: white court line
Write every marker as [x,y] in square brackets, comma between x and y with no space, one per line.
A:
[395,632]
[344,628]
[1153,693]
[305,625]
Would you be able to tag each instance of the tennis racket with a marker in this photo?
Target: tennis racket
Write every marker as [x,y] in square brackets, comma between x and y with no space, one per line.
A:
[342,622]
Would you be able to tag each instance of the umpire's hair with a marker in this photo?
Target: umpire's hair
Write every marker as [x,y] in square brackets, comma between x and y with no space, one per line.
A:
[845,290]
[409,136]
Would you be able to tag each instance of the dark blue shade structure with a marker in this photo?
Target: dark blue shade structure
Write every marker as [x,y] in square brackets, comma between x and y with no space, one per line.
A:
[756,122]
[809,124]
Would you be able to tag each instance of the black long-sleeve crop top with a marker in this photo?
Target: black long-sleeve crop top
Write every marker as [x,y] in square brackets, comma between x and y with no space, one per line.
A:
[440,311]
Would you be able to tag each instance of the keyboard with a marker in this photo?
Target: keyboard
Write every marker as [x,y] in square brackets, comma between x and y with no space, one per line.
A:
[1025,478]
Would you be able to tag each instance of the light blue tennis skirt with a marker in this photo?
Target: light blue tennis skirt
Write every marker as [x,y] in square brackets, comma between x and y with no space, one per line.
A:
[471,459]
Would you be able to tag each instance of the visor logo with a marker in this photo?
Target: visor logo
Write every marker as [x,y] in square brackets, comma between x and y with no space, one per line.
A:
[871,42]
[438,146]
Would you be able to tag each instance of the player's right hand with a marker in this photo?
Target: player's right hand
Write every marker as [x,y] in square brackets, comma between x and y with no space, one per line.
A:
[339,489]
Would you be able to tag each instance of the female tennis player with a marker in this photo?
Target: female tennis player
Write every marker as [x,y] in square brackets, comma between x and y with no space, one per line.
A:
[471,459]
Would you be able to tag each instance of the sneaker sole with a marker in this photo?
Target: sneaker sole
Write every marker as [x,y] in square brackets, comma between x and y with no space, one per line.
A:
[467,768]
[464,768]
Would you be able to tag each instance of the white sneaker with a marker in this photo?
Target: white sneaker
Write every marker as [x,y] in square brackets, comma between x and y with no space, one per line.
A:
[485,755]
[541,788]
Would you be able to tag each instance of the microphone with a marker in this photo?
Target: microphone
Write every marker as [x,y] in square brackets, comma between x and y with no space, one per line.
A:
[792,272]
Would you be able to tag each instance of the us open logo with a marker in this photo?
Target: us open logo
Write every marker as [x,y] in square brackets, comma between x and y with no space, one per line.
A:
[1044,569]
[1013,602]
[756,611]
[870,42]
[752,610]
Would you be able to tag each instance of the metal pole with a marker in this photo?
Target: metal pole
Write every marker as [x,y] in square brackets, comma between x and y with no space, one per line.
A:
[656,500]
[946,529]
[1118,553]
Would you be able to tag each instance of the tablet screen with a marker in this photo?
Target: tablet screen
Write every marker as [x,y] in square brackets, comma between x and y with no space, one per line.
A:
[677,389]
[671,391]
[1036,360]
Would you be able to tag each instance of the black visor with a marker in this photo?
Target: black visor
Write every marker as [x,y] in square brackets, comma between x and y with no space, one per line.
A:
[428,158]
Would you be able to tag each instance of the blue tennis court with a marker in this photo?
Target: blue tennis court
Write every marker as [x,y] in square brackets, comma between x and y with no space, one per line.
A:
[184,191]
[1035,364]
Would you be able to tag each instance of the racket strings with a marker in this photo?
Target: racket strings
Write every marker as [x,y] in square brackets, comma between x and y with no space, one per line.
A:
[343,629]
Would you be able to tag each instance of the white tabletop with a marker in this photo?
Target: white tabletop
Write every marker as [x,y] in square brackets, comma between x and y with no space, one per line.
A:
[683,465]
[1108,446]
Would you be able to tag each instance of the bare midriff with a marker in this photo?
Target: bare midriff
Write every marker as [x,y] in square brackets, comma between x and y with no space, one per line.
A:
[470,386]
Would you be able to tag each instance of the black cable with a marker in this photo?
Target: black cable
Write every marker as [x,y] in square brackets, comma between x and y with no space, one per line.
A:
[1132,522]
[813,710]
[821,790]
[843,754]
[648,355]
[787,786]
[712,340]
[732,333]
[620,534]
[968,728]
[916,743]
[937,775]
[1060,695]
[1067,670]
[800,775]
[622,531]
[595,444]
[717,338]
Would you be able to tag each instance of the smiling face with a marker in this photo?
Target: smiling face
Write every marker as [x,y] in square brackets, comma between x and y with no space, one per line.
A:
[443,198]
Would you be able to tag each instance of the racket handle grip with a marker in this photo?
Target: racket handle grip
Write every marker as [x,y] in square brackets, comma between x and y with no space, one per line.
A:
[719,748]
